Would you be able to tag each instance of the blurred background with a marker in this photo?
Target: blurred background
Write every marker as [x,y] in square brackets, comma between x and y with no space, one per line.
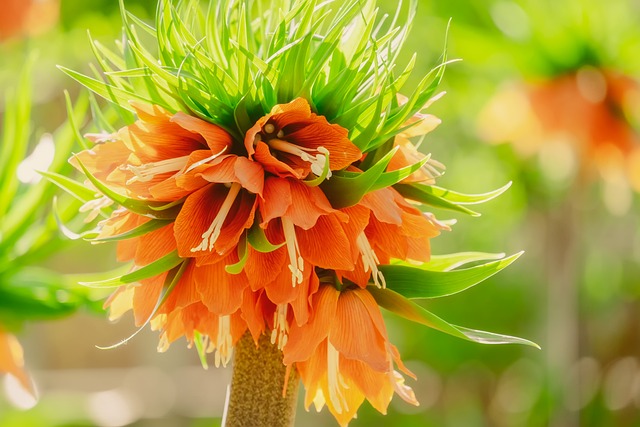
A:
[547,96]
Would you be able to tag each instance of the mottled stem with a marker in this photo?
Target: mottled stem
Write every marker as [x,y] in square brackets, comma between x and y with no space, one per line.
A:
[256,398]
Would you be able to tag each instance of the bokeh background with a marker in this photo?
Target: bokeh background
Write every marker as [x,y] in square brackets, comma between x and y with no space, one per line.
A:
[546,96]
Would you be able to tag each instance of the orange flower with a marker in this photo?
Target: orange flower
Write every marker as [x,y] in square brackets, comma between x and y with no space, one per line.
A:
[27,17]
[591,111]
[12,361]
[291,141]
[229,191]
[344,355]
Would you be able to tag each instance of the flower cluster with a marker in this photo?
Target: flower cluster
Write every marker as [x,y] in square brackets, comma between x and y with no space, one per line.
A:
[306,285]
[267,181]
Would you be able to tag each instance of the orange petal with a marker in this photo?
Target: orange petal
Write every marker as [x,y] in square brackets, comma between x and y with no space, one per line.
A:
[260,267]
[301,305]
[276,199]
[154,245]
[216,137]
[227,169]
[146,297]
[375,386]
[220,291]
[185,291]
[152,142]
[320,133]
[271,164]
[253,312]
[307,204]
[150,113]
[198,212]
[383,205]
[304,339]
[325,244]
[354,333]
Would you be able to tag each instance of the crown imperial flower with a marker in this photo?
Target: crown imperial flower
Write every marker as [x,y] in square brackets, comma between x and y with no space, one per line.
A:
[269,185]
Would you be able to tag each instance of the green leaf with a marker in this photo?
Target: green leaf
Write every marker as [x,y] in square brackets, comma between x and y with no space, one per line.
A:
[403,307]
[258,240]
[468,199]
[76,189]
[200,342]
[451,261]
[345,189]
[243,255]
[419,282]
[144,208]
[140,230]
[388,179]
[427,195]
[157,267]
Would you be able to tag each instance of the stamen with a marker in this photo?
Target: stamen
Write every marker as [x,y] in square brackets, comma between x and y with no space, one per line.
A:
[334,380]
[94,206]
[370,261]
[224,342]
[403,390]
[280,332]
[316,156]
[210,236]
[148,171]
[296,263]
[203,161]
[269,128]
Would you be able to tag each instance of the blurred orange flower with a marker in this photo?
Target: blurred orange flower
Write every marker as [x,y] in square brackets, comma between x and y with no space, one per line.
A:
[594,111]
[12,361]
[27,17]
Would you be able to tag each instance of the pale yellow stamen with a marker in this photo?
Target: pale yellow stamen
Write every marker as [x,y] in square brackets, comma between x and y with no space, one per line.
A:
[203,161]
[403,390]
[269,128]
[280,332]
[370,260]
[224,342]
[296,263]
[317,157]
[335,381]
[148,171]
[94,206]
[210,236]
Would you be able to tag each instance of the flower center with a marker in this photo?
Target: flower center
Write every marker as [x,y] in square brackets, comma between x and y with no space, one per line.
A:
[370,260]
[210,236]
[224,341]
[296,263]
[148,171]
[316,157]
[280,331]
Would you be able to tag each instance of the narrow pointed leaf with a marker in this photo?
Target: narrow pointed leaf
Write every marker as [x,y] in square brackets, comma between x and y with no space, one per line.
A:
[426,195]
[403,307]
[163,264]
[418,282]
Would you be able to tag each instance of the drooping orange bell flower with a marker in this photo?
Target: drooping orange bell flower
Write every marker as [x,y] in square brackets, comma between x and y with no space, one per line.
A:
[344,355]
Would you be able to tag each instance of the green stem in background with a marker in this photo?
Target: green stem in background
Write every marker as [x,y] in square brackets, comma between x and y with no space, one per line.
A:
[256,396]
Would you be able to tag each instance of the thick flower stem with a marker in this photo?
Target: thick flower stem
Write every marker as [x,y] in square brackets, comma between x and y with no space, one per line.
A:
[257,383]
